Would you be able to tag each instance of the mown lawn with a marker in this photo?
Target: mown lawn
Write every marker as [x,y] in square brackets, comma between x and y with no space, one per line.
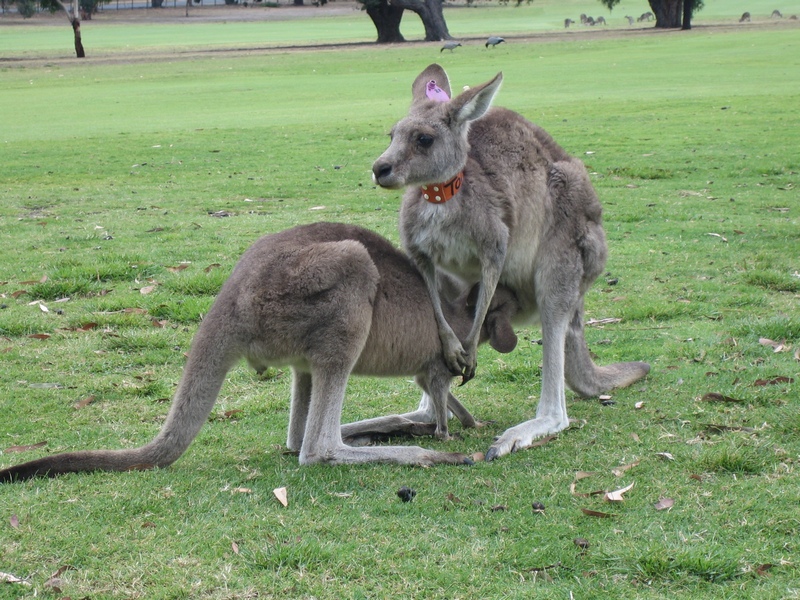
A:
[117,173]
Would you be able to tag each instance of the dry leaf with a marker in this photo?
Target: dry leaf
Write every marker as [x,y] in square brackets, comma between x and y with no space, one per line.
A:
[14,521]
[212,266]
[478,457]
[243,490]
[235,547]
[40,336]
[55,582]
[712,428]
[84,403]
[665,455]
[635,437]
[540,442]
[9,578]
[578,476]
[24,448]
[147,289]
[34,281]
[773,381]
[714,397]
[797,354]
[762,569]
[596,513]
[776,346]
[606,321]
[178,268]
[281,495]
[718,235]
[619,471]
[664,504]
[638,405]
[616,495]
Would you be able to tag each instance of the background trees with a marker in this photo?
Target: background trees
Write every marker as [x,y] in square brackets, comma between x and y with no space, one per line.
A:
[386,17]
[669,13]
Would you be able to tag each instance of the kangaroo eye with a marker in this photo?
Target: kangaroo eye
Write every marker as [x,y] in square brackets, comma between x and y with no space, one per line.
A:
[425,141]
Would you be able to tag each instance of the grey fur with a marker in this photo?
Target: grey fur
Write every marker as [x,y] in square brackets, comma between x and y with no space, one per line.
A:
[328,300]
[526,216]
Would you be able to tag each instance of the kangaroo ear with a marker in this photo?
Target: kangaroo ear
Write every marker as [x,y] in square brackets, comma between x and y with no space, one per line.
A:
[501,335]
[434,72]
[474,102]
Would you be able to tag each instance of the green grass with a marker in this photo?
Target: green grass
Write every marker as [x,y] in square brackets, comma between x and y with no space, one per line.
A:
[111,33]
[686,135]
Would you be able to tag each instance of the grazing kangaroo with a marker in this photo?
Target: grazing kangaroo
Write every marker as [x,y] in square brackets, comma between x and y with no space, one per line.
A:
[745,17]
[513,208]
[328,300]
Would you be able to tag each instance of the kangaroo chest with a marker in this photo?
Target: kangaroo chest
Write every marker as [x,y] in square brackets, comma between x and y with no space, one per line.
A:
[437,233]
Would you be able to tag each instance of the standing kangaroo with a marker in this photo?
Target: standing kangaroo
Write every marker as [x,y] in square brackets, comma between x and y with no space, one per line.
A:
[512,208]
[328,300]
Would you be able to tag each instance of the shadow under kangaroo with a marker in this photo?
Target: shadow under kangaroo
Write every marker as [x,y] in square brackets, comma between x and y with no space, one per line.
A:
[329,300]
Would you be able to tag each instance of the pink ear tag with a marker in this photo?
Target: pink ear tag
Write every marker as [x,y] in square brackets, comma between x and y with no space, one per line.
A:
[434,92]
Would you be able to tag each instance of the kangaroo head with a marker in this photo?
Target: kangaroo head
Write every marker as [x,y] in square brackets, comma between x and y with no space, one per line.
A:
[430,144]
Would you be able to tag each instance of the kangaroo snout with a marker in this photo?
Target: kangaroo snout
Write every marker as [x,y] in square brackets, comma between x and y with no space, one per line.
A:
[381,173]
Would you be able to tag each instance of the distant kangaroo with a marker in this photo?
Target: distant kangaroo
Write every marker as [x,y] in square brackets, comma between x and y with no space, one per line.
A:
[328,300]
[745,17]
[491,198]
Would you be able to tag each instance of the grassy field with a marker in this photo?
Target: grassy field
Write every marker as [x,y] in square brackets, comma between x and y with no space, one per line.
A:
[117,173]
[136,32]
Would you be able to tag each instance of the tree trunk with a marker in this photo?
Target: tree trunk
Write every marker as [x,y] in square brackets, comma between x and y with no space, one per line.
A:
[430,12]
[386,18]
[688,5]
[667,12]
[76,28]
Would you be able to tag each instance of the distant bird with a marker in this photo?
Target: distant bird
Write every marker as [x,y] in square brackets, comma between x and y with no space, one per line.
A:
[451,45]
[494,40]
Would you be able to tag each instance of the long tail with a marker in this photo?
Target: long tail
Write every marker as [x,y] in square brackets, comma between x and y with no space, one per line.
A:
[208,363]
[586,378]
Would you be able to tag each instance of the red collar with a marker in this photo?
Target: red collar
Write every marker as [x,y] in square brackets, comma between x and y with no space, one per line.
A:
[439,193]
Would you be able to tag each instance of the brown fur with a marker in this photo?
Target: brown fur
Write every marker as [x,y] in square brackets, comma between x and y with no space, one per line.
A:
[327,300]
[526,216]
